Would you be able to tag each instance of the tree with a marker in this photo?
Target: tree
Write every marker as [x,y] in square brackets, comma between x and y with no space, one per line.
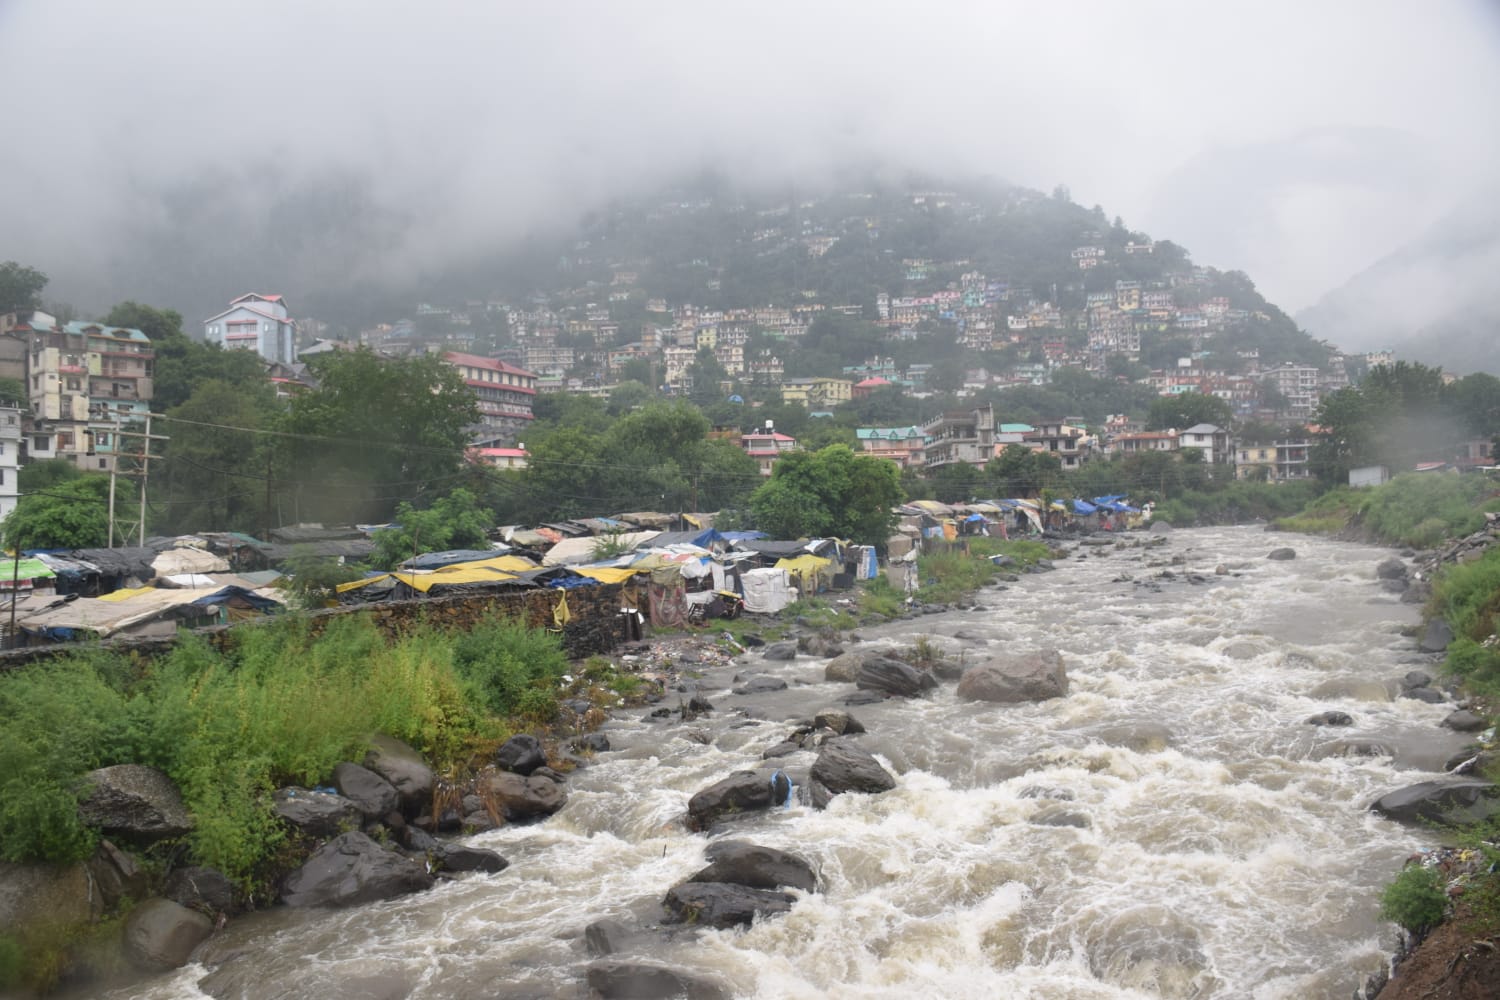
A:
[957,482]
[455,521]
[215,466]
[1186,410]
[829,493]
[1020,472]
[70,514]
[12,390]
[639,370]
[374,432]
[706,375]
[20,287]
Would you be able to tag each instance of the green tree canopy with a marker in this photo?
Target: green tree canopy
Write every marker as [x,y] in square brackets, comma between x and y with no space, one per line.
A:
[20,287]
[1020,472]
[1187,409]
[374,432]
[455,521]
[182,364]
[69,514]
[216,465]
[829,493]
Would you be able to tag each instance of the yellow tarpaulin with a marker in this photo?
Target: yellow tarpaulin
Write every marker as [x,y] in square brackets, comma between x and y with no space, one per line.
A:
[806,570]
[423,582]
[126,593]
[607,574]
[561,614]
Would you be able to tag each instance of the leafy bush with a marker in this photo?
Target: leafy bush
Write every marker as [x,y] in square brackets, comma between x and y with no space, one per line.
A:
[502,659]
[1236,503]
[1415,900]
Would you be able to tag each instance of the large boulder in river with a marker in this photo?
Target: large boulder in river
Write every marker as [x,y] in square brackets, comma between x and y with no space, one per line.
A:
[740,792]
[1391,569]
[315,813]
[1436,637]
[843,667]
[207,890]
[619,979]
[1031,677]
[843,766]
[404,768]
[1281,554]
[722,904]
[521,754]
[371,794]
[135,803]
[353,869]
[1449,802]
[888,674]
[161,934]
[780,651]
[525,797]
[747,864]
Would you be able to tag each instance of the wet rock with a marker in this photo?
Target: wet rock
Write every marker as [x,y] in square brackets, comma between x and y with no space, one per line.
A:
[1465,721]
[783,749]
[521,754]
[134,803]
[1142,737]
[740,792]
[743,863]
[316,814]
[1450,802]
[1159,527]
[843,766]
[1282,554]
[608,937]
[1331,718]
[1473,759]
[462,858]
[353,869]
[761,684]
[599,743]
[819,645]
[371,794]
[1242,651]
[404,768]
[1366,747]
[116,875]
[613,979]
[1427,694]
[1436,637]
[842,723]
[204,889]
[890,675]
[1060,815]
[525,797]
[698,704]
[1391,569]
[1031,677]
[866,698]
[843,667]
[780,651]
[1416,679]
[1393,586]
[721,904]
[161,934]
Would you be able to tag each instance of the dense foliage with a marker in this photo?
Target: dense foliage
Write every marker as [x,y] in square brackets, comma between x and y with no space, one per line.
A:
[830,493]
[280,705]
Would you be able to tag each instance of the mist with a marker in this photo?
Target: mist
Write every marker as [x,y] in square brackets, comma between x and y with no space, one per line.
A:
[181,152]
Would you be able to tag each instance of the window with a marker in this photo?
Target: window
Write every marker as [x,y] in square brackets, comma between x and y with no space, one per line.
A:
[104,463]
[41,444]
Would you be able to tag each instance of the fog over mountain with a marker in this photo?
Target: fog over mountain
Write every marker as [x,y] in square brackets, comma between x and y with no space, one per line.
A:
[182,152]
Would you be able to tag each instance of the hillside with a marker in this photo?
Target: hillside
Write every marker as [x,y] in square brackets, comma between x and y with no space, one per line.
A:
[1429,301]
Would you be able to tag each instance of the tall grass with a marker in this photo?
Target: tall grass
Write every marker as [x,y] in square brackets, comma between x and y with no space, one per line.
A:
[1422,509]
[1467,596]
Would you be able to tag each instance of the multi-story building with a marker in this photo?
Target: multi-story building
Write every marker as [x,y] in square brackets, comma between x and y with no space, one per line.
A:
[1212,441]
[1282,460]
[906,446]
[1070,443]
[548,360]
[960,436]
[12,412]
[766,447]
[820,393]
[504,392]
[83,381]
[259,323]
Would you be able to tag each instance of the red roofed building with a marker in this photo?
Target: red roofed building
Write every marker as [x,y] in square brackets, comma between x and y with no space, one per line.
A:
[869,385]
[504,392]
[259,323]
[766,447]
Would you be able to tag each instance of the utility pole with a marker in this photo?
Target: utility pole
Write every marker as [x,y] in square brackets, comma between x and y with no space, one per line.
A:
[144,458]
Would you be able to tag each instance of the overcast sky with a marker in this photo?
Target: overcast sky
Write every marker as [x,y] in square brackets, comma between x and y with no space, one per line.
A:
[1298,140]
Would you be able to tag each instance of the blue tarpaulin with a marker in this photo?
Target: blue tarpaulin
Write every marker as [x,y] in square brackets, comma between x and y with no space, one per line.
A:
[1083,507]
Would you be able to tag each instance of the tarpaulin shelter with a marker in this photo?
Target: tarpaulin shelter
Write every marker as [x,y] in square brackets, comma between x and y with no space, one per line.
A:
[767,590]
[173,562]
[437,560]
[704,538]
[809,573]
[26,574]
[581,550]
[142,611]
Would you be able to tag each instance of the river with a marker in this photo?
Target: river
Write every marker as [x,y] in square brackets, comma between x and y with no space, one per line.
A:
[1227,850]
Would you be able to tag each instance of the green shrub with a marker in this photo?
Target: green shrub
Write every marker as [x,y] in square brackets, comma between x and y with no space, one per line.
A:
[1421,509]
[1415,900]
[502,659]
[12,962]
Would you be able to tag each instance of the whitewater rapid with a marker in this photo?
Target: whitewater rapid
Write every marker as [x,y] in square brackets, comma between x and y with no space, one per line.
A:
[1172,828]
